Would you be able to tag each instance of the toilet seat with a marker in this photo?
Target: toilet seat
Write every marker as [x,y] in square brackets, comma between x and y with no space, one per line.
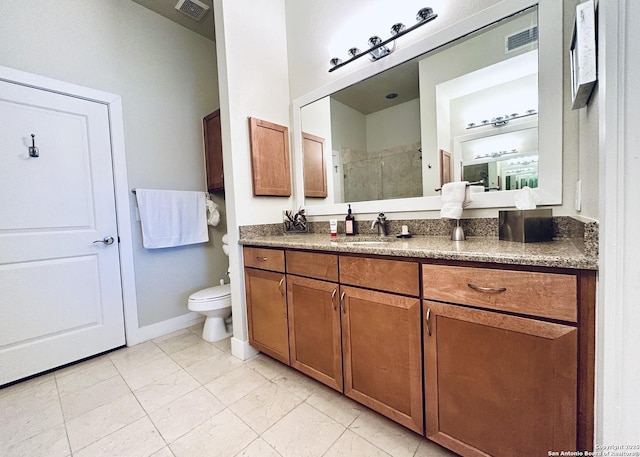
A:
[207,299]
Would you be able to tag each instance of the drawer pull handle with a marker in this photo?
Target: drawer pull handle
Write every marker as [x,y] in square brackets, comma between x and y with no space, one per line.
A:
[489,290]
[262,259]
[428,319]
[280,286]
[342,302]
[333,296]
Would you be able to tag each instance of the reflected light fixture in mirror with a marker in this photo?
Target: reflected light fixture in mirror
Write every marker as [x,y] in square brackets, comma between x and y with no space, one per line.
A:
[379,48]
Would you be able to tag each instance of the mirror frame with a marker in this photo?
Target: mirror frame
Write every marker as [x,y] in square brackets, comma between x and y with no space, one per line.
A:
[550,107]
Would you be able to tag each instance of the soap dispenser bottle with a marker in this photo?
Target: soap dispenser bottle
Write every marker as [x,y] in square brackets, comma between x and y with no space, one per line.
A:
[349,223]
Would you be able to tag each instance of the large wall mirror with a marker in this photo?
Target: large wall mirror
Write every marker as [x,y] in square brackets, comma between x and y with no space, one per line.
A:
[481,100]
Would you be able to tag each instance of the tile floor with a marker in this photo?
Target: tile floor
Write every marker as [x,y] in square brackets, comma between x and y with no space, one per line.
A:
[179,396]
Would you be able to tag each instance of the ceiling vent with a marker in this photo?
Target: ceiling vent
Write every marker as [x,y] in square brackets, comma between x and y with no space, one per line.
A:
[192,8]
[520,39]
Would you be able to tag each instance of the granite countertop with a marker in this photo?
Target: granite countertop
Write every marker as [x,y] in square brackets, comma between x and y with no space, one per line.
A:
[562,253]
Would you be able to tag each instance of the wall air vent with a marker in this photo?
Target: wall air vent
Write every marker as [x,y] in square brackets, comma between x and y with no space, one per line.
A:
[192,8]
[520,39]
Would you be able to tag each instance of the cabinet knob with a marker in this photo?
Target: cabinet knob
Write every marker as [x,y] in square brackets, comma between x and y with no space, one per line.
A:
[333,296]
[262,259]
[428,319]
[342,302]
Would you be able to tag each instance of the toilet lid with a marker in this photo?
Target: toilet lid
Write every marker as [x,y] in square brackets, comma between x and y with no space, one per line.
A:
[211,293]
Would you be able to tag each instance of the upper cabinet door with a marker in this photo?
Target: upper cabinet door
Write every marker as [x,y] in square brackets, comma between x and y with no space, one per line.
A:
[270,162]
[315,171]
[213,151]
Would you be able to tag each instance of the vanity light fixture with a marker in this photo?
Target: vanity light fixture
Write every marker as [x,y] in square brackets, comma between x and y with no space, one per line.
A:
[500,121]
[379,48]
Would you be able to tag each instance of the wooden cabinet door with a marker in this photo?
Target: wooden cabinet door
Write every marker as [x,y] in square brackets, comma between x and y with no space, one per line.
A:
[267,312]
[381,343]
[213,151]
[499,385]
[314,329]
[315,168]
[270,164]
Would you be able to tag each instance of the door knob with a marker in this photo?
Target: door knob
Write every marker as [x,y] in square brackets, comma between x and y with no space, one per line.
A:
[106,240]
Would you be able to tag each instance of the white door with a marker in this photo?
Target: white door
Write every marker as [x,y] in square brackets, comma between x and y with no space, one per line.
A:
[60,288]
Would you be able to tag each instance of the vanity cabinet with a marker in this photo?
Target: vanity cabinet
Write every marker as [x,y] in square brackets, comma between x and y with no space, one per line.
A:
[314,316]
[381,353]
[266,285]
[213,151]
[501,372]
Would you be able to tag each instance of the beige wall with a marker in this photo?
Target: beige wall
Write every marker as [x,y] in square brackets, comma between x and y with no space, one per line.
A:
[166,76]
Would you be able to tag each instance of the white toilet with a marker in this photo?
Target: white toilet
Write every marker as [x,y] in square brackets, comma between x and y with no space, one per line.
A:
[215,304]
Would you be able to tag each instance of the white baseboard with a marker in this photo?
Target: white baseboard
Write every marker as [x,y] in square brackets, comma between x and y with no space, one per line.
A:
[149,332]
[242,349]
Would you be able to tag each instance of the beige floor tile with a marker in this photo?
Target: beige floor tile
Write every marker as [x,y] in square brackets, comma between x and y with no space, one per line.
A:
[197,352]
[78,379]
[132,357]
[232,386]
[178,341]
[102,421]
[139,439]
[197,328]
[169,336]
[224,345]
[94,396]
[430,449]
[183,414]
[301,385]
[213,367]
[335,405]
[81,366]
[146,373]
[28,409]
[258,448]
[304,432]
[224,435]
[164,452]
[165,390]
[352,445]
[265,406]
[50,443]
[385,434]
[266,366]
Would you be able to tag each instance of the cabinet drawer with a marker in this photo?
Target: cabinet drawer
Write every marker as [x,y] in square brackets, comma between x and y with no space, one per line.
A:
[549,295]
[313,265]
[381,274]
[265,259]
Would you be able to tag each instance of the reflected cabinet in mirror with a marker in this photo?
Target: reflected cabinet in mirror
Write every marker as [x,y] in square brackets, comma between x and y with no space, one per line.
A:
[486,106]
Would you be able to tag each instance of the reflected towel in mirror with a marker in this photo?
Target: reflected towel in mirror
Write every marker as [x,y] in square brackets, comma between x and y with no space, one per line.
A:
[455,197]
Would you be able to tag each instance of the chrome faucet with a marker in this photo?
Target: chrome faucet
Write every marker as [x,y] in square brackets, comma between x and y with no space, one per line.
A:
[381,222]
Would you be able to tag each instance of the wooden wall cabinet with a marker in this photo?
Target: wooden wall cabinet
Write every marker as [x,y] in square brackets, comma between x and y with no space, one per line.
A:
[213,152]
[270,164]
[315,167]
[267,302]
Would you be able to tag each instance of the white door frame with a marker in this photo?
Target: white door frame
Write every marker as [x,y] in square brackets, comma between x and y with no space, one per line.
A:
[121,186]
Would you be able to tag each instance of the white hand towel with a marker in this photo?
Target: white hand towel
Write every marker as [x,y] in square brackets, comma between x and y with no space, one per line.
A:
[172,218]
[455,197]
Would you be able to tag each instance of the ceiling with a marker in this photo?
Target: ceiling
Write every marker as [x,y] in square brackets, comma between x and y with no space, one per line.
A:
[401,80]
[167,9]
